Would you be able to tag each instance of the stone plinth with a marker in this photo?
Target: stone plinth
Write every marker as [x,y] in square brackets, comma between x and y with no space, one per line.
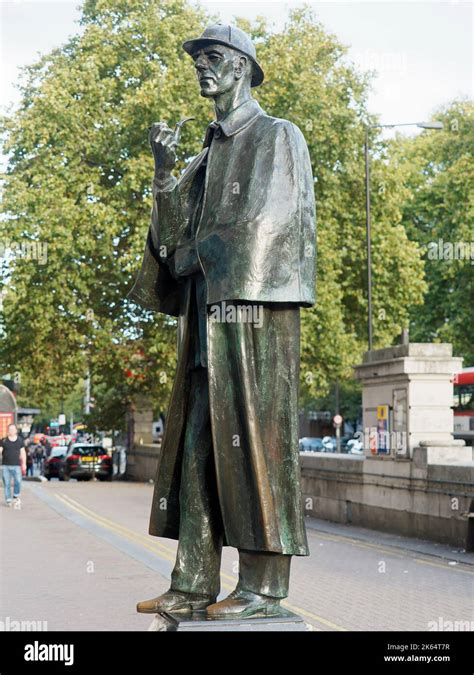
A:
[415,381]
[198,622]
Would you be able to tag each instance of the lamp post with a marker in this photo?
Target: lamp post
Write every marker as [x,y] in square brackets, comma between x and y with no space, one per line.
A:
[422,125]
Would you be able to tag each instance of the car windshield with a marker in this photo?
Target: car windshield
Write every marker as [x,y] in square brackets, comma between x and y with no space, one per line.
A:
[85,450]
[58,452]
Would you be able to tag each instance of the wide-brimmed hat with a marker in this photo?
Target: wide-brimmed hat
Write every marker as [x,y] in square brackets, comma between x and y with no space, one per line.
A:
[229,36]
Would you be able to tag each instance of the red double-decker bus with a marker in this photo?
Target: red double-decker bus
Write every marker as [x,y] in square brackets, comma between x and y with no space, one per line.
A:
[464,405]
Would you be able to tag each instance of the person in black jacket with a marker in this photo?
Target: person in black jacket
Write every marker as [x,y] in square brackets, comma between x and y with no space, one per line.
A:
[12,451]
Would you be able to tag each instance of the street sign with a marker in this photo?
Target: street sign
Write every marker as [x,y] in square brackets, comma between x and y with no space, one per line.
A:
[382,412]
[337,420]
[62,419]
[383,429]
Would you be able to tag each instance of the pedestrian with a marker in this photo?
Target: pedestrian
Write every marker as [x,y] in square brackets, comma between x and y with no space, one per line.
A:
[38,454]
[12,451]
[40,457]
[29,462]
[30,451]
[46,447]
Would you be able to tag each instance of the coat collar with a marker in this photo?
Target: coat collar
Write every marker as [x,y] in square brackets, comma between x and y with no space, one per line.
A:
[236,120]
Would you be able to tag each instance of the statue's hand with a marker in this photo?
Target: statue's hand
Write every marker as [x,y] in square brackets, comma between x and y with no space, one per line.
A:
[163,143]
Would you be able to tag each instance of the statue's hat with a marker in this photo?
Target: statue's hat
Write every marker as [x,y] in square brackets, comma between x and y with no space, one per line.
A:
[230,36]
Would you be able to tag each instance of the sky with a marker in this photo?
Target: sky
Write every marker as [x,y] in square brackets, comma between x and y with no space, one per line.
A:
[422,51]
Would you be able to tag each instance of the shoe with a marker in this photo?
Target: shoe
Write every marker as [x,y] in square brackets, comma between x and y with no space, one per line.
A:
[243,604]
[8,504]
[175,601]
[16,503]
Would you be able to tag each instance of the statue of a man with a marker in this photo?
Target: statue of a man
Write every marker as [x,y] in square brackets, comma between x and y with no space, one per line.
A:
[231,252]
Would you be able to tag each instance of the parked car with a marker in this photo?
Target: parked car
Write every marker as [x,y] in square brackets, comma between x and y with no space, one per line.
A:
[329,444]
[344,441]
[84,460]
[355,447]
[308,444]
[54,464]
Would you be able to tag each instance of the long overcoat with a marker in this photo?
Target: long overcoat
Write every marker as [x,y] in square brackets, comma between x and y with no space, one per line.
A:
[243,214]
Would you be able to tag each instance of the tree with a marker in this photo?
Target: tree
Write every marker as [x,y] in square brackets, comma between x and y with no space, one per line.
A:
[79,176]
[78,184]
[438,213]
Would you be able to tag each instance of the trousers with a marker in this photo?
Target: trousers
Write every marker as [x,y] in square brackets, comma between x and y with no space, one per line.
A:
[197,568]
[11,473]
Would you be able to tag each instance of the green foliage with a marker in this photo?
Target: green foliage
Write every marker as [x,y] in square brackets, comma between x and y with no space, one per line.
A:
[310,82]
[79,179]
[350,400]
[439,214]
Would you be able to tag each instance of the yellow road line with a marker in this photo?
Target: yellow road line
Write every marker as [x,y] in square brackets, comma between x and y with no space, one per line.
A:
[163,551]
[454,568]
[110,523]
[304,612]
[116,530]
[156,547]
[355,542]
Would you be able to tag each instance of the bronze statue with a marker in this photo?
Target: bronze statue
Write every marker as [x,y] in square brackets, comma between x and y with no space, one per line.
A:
[231,252]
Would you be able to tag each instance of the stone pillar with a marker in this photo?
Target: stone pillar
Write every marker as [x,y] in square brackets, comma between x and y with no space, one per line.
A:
[407,396]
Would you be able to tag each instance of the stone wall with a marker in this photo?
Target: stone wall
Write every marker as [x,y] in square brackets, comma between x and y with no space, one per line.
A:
[141,462]
[411,498]
[406,497]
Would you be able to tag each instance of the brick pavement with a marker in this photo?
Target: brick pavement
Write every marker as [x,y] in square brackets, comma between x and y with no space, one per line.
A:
[78,555]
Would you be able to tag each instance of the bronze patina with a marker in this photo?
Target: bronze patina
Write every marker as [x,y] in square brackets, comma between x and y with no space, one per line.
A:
[231,252]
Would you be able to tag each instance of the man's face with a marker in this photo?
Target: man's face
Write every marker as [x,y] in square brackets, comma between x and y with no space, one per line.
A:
[215,68]
[12,431]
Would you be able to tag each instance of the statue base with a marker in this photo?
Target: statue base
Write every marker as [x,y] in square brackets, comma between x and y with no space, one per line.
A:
[198,621]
